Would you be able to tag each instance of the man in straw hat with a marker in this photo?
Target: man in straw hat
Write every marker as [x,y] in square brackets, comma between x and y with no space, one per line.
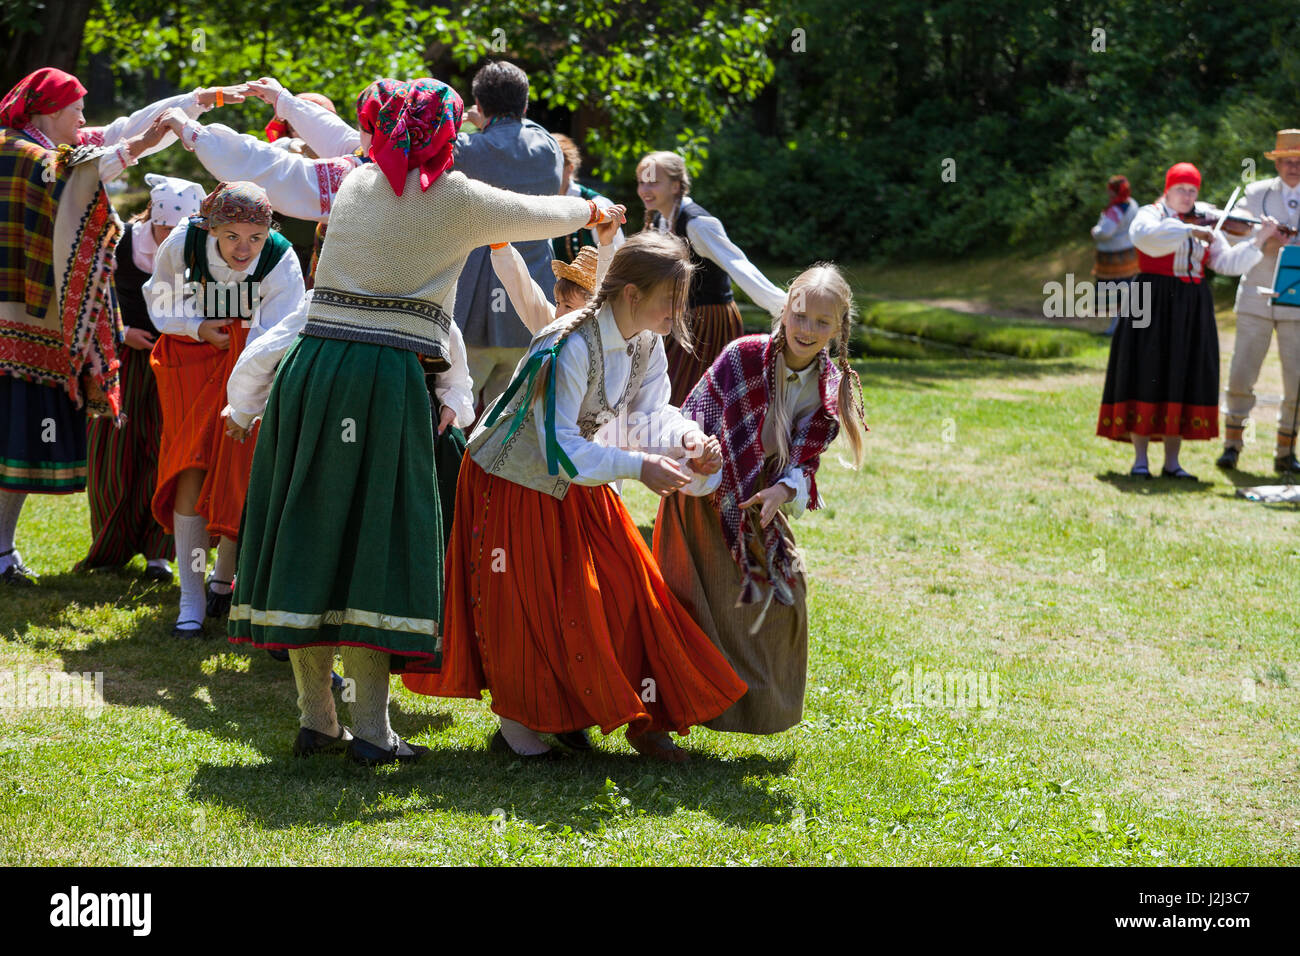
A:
[1277,198]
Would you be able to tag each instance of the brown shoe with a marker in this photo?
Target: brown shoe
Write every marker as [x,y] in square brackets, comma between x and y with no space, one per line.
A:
[659,746]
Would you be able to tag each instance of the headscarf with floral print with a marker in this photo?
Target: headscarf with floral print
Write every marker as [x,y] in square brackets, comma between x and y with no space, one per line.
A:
[235,202]
[412,123]
[48,90]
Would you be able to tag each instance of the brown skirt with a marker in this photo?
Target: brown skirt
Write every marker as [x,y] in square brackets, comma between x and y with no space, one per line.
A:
[1116,265]
[712,327]
[703,576]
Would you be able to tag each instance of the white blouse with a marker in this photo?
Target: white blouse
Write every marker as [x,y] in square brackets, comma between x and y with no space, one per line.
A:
[174,311]
[709,239]
[325,132]
[249,385]
[651,423]
[527,297]
[297,186]
[1157,231]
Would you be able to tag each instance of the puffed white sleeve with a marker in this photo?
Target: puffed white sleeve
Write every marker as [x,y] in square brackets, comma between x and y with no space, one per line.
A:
[1234,260]
[710,239]
[1105,228]
[297,186]
[796,479]
[596,464]
[279,296]
[454,387]
[535,310]
[662,425]
[1156,234]
[249,385]
[164,291]
[325,132]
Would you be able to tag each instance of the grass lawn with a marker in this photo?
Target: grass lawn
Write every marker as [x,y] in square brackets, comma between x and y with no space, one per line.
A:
[1133,642]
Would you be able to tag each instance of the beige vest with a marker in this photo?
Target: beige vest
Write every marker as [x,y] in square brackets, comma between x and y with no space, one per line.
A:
[521,459]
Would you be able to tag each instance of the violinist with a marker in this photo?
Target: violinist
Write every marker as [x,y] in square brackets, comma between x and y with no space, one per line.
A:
[1162,379]
[1257,318]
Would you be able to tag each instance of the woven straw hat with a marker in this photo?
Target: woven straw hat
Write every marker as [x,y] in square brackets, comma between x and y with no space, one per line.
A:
[1288,144]
[581,270]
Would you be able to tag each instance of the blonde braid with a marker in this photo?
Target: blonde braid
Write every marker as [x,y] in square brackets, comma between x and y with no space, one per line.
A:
[776,407]
[853,413]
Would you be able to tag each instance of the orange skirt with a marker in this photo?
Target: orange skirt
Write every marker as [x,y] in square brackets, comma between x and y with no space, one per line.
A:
[192,391]
[558,608]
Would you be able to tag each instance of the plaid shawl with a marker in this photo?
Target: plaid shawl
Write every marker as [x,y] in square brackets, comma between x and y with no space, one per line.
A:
[730,402]
[59,325]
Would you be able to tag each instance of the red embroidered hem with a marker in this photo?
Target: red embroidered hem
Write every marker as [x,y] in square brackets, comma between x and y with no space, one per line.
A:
[1156,419]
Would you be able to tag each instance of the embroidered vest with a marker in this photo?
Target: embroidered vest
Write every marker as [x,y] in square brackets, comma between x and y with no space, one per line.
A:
[520,458]
[710,284]
[228,302]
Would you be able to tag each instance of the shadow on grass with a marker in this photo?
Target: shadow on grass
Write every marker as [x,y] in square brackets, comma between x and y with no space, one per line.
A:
[1155,485]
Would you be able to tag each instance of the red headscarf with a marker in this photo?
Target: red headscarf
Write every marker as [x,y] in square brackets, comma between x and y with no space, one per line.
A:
[278,127]
[1182,173]
[412,124]
[1118,188]
[48,90]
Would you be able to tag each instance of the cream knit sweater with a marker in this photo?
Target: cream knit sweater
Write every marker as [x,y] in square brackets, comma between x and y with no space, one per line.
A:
[388,269]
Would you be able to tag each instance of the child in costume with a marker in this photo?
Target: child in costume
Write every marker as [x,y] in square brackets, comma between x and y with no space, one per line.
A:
[122,461]
[220,281]
[554,602]
[775,402]
[664,186]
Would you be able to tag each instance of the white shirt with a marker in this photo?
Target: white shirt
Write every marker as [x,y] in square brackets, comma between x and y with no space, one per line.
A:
[802,398]
[249,385]
[651,423]
[1156,231]
[296,186]
[709,239]
[323,131]
[527,297]
[143,245]
[175,311]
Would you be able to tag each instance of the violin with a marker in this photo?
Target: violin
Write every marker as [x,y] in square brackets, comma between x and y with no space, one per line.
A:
[1235,224]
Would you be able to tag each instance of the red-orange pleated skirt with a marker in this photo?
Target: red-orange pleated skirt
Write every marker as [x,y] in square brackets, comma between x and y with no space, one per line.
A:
[191,380]
[557,607]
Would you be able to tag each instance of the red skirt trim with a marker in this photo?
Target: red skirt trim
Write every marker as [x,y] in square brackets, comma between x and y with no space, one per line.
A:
[1156,419]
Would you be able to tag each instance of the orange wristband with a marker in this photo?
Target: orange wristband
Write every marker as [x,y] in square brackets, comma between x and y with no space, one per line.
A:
[221,97]
[595,214]
[497,245]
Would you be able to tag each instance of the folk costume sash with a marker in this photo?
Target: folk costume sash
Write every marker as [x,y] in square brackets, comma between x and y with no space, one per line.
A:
[58,323]
[731,403]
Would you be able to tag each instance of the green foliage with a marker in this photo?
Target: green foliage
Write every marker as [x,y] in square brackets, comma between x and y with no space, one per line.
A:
[982,332]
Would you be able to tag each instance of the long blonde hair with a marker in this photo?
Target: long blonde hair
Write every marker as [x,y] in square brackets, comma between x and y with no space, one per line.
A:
[674,167]
[826,278]
[646,260]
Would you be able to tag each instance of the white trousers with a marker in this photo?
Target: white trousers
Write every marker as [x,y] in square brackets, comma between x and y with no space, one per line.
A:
[1254,335]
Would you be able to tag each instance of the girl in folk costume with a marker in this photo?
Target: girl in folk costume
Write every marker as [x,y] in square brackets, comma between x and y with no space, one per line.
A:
[342,505]
[1162,379]
[554,602]
[566,248]
[664,186]
[220,281]
[1116,258]
[123,460]
[775,402]
[58,327]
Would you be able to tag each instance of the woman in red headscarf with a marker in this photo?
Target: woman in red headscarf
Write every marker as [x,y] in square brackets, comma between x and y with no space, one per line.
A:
[1162,380]
[341,544]
[59,332]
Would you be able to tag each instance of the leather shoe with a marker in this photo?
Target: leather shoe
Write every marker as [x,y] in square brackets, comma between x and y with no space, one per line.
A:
[1286,464]
[188,629]
[372,755]
[499,745]
[311,742]
[575,740]
[17,573]
[1228,460]
[218,604]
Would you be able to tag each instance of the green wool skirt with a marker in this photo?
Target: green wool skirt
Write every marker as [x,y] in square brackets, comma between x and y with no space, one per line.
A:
[342,538]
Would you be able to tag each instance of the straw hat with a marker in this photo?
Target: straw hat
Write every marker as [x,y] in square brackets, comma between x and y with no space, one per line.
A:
[1288,145]
[581,270]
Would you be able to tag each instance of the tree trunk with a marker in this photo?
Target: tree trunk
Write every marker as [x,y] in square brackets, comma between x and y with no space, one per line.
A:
[58,44]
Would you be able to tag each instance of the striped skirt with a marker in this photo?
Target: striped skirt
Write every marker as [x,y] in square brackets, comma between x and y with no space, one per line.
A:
[557,607]
[122,471]
[712,327]
[42,439]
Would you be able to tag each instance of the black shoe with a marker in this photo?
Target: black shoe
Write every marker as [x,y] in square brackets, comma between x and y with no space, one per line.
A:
[314,742]
[499,745]
[280,655]
[1286,464]
[575,740]
[372,755]
[188,629]
[152,573]
[218,604]
[1179,472]
[1228,460]
[17,573]
[1140,471]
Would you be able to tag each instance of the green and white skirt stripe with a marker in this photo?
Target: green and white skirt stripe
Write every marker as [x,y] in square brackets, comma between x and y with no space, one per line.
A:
[342,539]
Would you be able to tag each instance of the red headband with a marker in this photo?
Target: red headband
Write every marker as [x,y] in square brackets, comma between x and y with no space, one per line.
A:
[1182,173]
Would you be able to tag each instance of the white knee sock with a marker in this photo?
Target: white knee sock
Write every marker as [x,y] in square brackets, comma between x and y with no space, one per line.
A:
[191,533]
[11,503]
[224,569]
[370,709]
[521,739]
[311,672]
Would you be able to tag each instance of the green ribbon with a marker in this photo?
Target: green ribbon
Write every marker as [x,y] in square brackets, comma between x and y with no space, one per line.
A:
[527,376]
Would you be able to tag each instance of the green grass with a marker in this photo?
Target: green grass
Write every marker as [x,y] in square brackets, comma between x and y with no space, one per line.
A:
[1140,634]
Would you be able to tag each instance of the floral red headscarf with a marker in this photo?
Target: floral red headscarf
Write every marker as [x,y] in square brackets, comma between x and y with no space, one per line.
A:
[235,202]
[48,90]
[412,124]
